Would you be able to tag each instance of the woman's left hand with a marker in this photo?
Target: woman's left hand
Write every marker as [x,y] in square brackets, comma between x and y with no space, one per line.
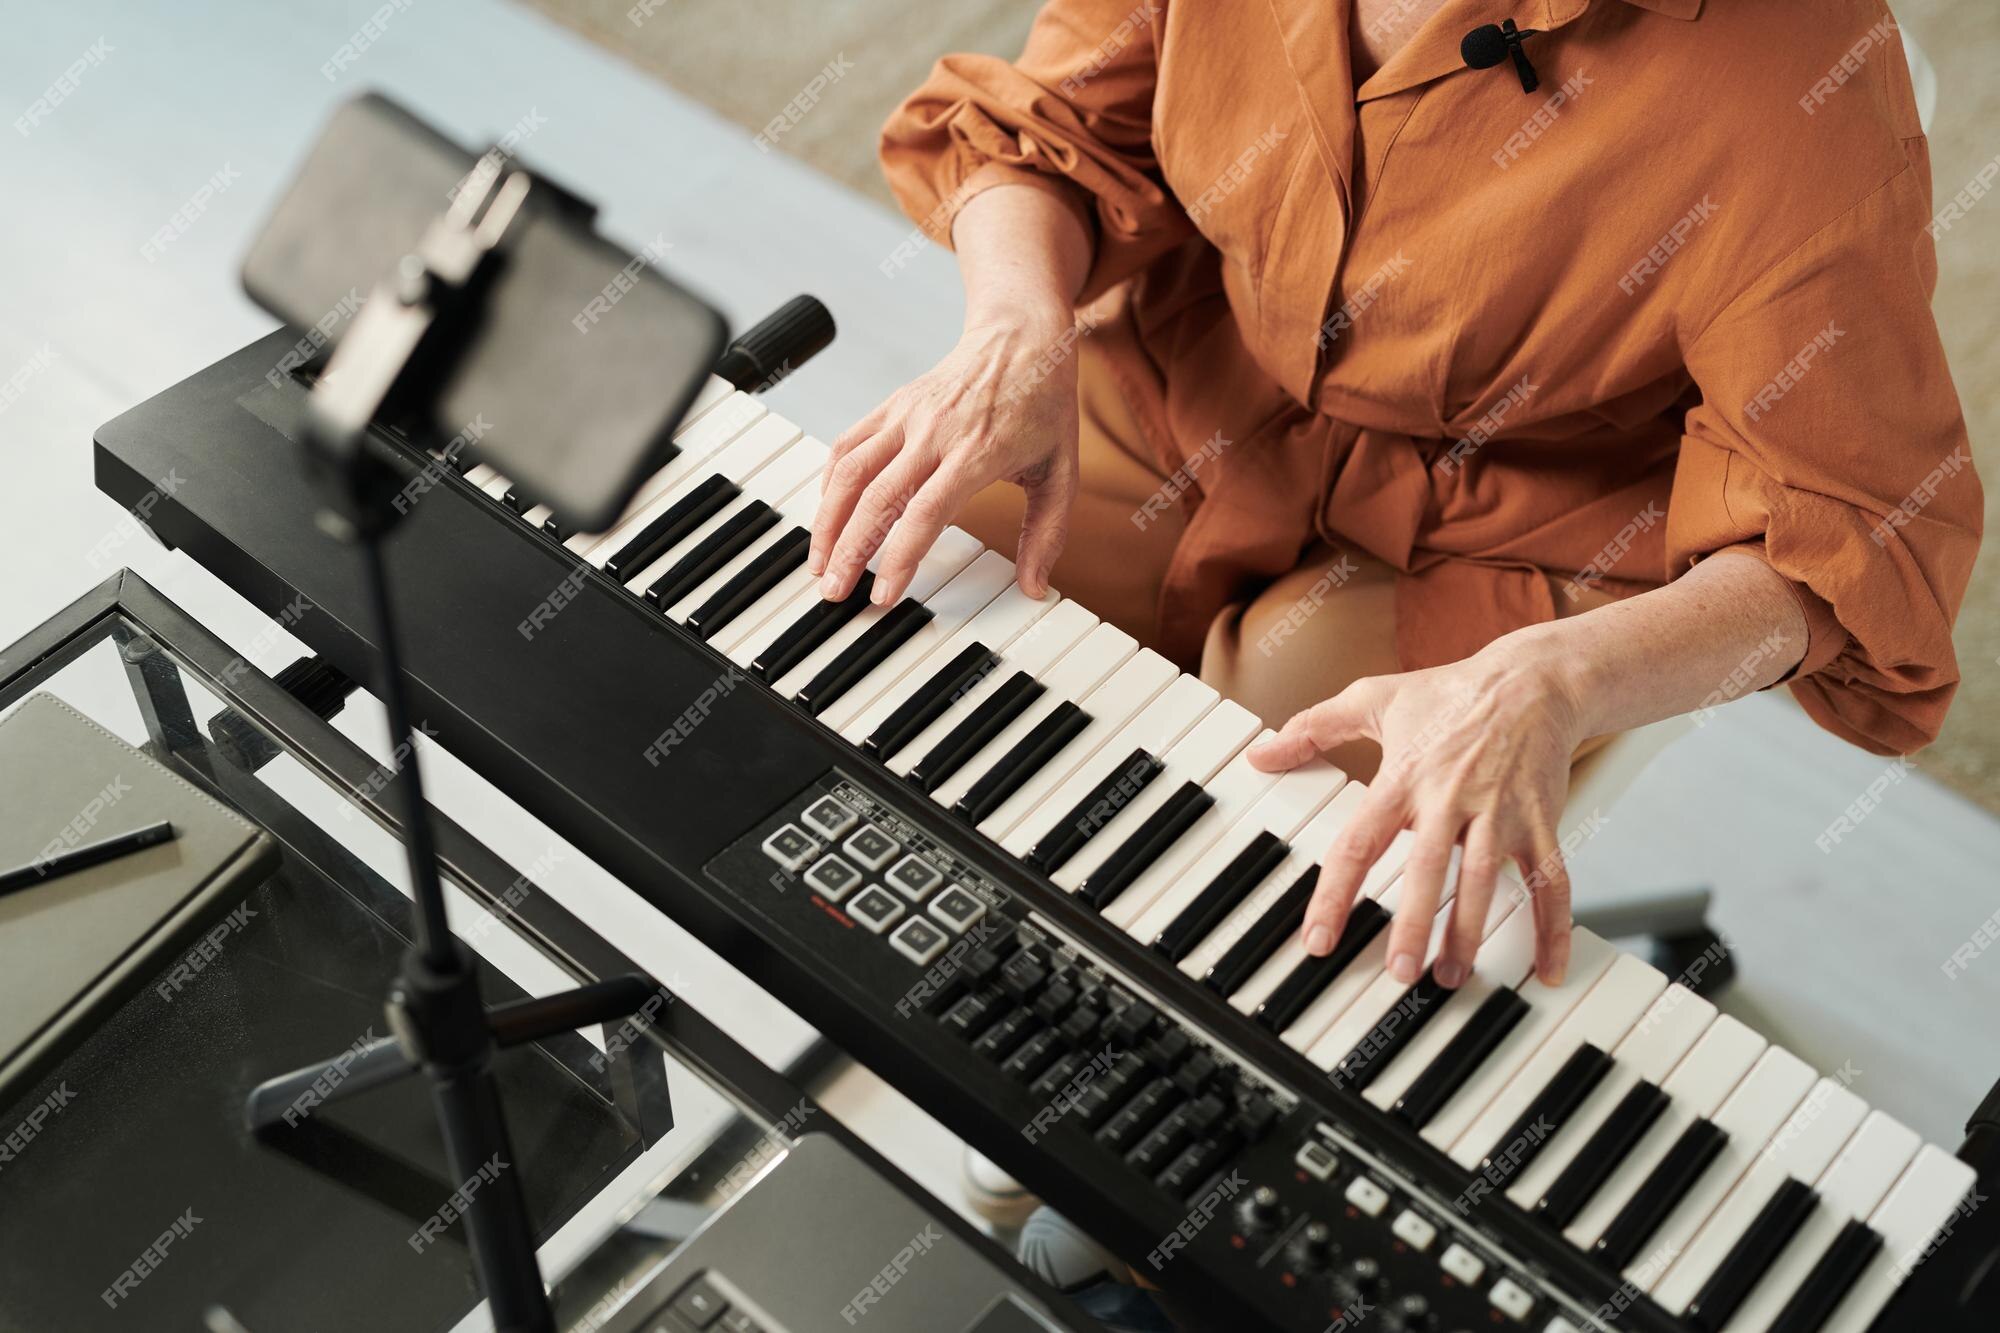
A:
[1478,753]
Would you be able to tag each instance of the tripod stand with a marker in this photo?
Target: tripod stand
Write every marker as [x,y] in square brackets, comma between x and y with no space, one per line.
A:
[441,1027]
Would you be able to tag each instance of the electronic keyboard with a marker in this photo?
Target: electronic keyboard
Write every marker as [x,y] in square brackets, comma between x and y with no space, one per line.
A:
[1020,866]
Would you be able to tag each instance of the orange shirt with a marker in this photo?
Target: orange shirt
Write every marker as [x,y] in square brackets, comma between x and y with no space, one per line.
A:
[1676,300]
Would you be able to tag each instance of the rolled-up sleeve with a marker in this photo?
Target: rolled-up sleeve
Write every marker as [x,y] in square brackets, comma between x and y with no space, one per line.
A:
[1829,441]
[1072,116]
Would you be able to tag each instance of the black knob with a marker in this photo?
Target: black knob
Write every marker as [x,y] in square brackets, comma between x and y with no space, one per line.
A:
[1312,1251]
[777,345]
[1360,1283]
[1261,1210]
[1409,1314]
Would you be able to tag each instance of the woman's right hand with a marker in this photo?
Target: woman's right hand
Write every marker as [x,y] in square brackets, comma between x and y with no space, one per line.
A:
[1000,407]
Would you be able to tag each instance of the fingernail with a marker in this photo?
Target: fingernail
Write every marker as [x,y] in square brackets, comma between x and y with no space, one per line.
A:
[1319,941]
[879,594]
[816,565]
[1450,975]
[1403,967]
[829,587]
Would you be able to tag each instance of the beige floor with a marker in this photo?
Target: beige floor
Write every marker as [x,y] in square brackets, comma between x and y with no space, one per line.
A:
[747,62]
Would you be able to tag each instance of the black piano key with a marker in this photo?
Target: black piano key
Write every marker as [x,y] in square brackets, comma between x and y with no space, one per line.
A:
[731,538]
[970,736]
[750,583]
[1098,808]
[931,700]
[557,529]
[862,656]
[1773,1228]
[821,622]
[1552,1106]
[1256,945]
[1463,1054]
[1176,815]
[671,528]
[1222,895]
[515,501]
[1304,983]
[1044,741]
[1593,1164]
[1385,1041]
[1668,1184]
[1830,1280]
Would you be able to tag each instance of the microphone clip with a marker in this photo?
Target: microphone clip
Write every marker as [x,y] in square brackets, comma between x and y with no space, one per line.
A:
[1486,46]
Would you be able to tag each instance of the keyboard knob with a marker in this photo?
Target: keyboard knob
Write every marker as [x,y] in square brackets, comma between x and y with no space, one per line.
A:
[1409,1314]
[1261,1210]
[1313,1250]
[1359,1284]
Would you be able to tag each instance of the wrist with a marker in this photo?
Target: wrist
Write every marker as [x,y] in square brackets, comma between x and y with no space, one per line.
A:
[1043,312]
[1564,667]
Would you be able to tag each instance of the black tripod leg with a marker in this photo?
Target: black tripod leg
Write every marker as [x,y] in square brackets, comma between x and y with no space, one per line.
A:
[503,1251]
[521,1021]
[291,1097]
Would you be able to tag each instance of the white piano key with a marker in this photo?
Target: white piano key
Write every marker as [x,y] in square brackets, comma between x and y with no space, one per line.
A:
[1799,1149]
[1154,729]
[479,474]
[713,392]
[1081,670]
[1618,1001]
[736,461]
[1110,706]
[1197,757]
[1382,878]
[536,516]
[1284,808]
[1694,1090]
[697,444]
[1913,1215]
[969,592]
[1036,652]
[954,549]
[1849,1190]
[1750,1115]
[1234,790]
[1502,963]
[770,482]
[1590,958]
[1659,1042]
[997,625]
[1327,1044]
[1307,848]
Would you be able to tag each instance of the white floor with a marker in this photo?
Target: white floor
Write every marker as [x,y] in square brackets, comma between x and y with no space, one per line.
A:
[1843,953]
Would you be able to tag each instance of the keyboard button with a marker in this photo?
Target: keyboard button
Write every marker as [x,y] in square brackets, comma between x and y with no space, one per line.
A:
[830,818]
[790,847]
[700,1303]
[1317,1160]
[1414,1230]
[1462,1264]
[832,878]
[919,940]
[872,848]
[958,908]
[1511,1299]
[914,877]
[738,1321]
[1367,1196]
[875,908]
